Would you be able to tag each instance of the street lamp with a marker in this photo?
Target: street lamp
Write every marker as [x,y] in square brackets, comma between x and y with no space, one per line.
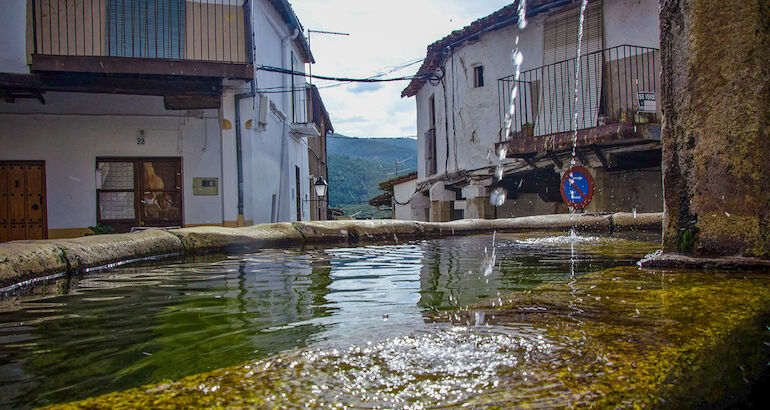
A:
[320,187]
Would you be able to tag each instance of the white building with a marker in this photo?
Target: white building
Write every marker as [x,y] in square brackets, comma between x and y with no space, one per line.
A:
[132,113]
[463,92]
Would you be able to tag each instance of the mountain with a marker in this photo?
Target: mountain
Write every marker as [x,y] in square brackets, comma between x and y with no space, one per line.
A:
[357,165]
[382,150]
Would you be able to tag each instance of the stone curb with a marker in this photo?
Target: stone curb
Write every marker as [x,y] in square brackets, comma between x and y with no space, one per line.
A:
[25,260]
[679,261]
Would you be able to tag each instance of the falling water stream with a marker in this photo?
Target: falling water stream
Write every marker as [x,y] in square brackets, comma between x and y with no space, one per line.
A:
[499,193]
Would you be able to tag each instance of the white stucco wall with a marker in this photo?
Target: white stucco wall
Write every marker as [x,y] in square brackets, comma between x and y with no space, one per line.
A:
[633,22]
[474,127]
[72,129]
[473,122]
[405,193]
[107,125]
[13,48]
[271,152]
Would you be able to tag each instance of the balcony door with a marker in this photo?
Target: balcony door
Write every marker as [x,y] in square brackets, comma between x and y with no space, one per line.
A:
[139,192]
[146,28]
[560,41]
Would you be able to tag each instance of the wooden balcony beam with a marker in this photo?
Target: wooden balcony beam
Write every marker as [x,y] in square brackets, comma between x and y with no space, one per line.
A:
[141,66]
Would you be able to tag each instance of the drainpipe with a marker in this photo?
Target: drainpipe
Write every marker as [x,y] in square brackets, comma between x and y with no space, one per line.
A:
[238,147]
[249,17]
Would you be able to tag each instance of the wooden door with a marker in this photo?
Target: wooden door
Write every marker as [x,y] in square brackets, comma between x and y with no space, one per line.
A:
[160,183]
[22,201]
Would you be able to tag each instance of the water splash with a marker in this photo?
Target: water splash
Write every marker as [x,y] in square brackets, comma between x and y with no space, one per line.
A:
[583,6]
[517,57]
[497,197]
[489,260]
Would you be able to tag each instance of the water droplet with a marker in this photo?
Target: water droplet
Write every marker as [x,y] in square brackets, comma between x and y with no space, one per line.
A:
[479,318]
[502,151]
[499,172]
[518,57]
[497,197]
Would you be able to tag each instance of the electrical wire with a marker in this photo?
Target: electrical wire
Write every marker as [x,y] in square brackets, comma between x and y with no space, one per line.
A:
[335,81]
[341,79]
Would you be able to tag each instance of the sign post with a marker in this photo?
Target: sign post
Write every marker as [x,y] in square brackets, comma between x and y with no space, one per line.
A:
[577,187]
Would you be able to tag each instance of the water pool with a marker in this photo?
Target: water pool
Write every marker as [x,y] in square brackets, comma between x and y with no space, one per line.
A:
[416,323]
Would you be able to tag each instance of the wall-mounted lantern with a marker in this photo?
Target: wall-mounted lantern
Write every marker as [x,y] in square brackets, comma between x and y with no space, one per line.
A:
[320,187]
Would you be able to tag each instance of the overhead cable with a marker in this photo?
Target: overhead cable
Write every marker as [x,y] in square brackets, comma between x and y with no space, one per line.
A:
[342,79]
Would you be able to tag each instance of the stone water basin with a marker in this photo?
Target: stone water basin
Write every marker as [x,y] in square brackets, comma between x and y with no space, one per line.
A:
[558,321]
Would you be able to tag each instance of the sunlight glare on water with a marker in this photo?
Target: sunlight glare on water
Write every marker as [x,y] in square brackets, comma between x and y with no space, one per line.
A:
[443,366]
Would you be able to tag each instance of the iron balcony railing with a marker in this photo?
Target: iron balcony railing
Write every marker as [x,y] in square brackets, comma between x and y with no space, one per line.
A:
[617,84]
[205,30]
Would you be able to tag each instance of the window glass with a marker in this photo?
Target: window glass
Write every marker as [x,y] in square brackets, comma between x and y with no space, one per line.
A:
[161,205]
[116,205]
[116,175]
[478,76]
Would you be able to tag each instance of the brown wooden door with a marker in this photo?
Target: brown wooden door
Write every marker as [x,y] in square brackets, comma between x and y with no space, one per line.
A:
[160,182]
[22,201]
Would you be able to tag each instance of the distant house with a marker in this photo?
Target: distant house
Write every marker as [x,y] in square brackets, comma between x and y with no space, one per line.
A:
[132,113]
[398,196]
[463,92]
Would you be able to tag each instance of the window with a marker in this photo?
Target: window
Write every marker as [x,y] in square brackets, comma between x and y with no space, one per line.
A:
[134,192]
[431,165]
[146,28]
[478,76]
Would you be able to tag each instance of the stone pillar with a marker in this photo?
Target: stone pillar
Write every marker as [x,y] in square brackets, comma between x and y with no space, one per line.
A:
[440,211]
[716,147]
[441,203]
[478,206]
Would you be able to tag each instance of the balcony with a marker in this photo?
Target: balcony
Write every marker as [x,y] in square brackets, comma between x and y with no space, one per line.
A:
[307,111]
[617,89]
[191,38]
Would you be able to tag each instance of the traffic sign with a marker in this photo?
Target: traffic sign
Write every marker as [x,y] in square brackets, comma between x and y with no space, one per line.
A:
[577,187]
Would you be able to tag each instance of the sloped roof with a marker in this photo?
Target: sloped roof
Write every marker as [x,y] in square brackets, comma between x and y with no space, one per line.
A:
[504,17]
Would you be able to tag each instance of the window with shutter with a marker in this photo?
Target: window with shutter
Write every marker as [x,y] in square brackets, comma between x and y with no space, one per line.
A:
[146,28]
[560,41]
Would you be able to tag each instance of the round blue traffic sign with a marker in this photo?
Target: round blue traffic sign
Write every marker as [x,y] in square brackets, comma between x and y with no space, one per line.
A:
[577,187]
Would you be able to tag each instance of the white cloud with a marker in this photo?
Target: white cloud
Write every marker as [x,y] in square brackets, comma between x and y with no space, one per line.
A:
[383,34]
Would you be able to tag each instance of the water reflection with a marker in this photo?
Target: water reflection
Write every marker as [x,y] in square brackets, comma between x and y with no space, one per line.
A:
[109,331]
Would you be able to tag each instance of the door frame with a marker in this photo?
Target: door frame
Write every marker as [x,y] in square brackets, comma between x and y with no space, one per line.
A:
[44,188]
[136,160]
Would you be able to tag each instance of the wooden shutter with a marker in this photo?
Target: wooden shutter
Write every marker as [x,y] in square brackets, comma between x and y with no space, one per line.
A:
[146,28]
[561,33]
[560,40]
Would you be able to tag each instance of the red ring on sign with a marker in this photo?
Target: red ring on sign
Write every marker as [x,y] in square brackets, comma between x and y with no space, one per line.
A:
[589,194]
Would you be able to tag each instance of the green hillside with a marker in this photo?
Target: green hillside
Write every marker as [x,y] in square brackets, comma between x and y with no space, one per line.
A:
[382,150]
[357,165]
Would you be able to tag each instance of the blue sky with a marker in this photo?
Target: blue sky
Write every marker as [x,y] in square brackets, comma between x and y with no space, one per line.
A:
[383,35]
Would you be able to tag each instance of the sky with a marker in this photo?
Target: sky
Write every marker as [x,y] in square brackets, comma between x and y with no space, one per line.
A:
[383,35]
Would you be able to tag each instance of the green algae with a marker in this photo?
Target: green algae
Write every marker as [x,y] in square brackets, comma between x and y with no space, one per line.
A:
[619,337]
